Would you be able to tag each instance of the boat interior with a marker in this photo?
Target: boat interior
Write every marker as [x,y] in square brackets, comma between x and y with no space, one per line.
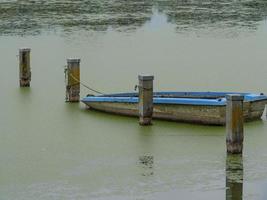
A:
[193,95]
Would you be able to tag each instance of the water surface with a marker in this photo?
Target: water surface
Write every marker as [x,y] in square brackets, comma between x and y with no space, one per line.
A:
[53,150]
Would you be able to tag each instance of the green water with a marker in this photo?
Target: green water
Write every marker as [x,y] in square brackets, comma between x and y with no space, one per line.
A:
[53,150]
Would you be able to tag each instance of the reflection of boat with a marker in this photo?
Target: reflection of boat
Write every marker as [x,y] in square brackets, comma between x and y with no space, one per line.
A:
[193,107]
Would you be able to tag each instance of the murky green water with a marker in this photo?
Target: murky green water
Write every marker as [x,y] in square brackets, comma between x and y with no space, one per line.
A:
[53,150]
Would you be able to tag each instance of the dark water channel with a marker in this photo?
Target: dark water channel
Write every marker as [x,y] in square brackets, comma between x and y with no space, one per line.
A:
[53,150]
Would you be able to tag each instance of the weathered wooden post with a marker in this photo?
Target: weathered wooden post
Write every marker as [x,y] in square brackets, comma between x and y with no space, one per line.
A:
[24,67]
[73,80]
[145,99]
[234,123]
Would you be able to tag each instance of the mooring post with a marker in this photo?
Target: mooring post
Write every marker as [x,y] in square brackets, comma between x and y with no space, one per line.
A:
[145,99]
[234,123]
[24,67]
[73,80]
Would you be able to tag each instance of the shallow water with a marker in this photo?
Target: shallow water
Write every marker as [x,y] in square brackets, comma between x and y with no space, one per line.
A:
[53,150]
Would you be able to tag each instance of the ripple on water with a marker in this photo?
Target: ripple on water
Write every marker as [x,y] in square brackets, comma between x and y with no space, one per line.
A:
[198,17]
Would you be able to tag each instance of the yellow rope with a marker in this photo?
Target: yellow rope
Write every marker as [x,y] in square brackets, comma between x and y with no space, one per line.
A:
[86,86]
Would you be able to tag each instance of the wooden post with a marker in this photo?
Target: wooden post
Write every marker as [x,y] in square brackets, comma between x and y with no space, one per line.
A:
[73,80]
[265,109]
[24,67]
[145,99]
[234,123]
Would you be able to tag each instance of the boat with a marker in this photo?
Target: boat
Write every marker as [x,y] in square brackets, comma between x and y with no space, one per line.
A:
[193,107]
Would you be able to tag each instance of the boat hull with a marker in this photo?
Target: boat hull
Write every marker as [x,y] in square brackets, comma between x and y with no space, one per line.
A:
[200,114]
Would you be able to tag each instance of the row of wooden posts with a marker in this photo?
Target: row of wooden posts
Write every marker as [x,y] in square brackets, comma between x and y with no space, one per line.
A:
[234,107]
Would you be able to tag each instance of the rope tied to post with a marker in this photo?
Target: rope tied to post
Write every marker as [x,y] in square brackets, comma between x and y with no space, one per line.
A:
[79,82]
[140,87]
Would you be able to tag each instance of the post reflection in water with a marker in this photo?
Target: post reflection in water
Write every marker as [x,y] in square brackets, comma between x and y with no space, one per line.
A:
[234,177]
[146,162]
[146,157]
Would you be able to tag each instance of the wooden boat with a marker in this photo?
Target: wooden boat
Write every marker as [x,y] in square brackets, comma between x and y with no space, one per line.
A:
[192,107]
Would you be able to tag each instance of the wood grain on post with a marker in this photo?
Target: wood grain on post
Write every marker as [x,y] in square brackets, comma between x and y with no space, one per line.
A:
[234,123]
[145,99]
[73,80]
[24,67]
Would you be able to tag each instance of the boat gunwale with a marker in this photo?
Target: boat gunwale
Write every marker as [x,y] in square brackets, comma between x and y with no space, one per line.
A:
[208,101]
